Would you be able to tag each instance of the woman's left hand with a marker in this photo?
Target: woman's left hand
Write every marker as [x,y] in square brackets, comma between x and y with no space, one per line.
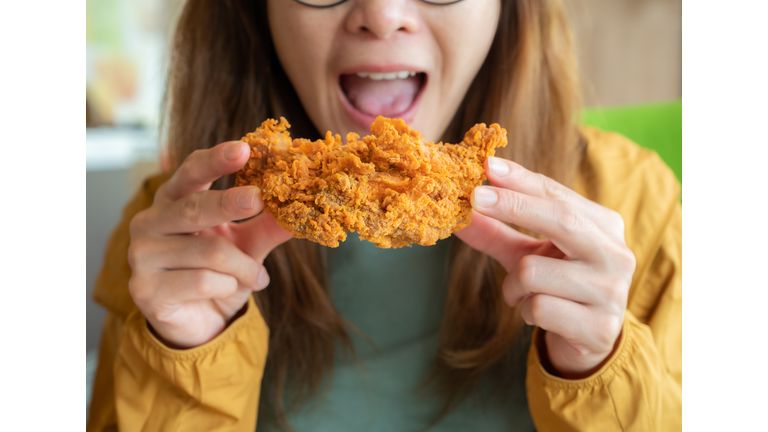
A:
[574,284]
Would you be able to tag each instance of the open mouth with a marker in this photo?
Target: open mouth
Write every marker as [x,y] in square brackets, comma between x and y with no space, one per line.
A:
[366,95]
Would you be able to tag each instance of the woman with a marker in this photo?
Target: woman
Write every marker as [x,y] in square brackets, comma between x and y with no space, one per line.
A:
[597,273]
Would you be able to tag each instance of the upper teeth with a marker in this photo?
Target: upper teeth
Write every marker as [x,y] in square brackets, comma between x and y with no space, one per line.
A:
[387,76]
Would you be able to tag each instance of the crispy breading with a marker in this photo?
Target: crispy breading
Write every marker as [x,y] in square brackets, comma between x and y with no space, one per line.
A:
[392,187]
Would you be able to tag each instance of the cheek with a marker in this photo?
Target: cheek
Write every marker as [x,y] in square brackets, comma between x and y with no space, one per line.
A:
[299,41]
[464,52]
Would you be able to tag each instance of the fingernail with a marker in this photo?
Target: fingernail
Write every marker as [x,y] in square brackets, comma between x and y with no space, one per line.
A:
[263,279]
[246,198]
[498,167]
[233,151]
[485,197]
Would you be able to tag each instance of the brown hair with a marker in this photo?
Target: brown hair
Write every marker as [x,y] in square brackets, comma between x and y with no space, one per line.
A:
[225,79]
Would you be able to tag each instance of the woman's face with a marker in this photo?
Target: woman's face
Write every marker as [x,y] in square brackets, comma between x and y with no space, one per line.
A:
[397,58]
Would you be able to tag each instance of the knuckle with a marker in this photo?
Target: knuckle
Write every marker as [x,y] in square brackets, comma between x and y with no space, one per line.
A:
[610,328]
[162,189]
[582,350]
[210,284]
[512,202]
[569,219]
[228,287]
[224,202]
[216,242]
[138,222]
[139,291]
[624,259]
[552,189]
[616,323]
[190,209]
[164,316]
[512,291]
[216,256]
[185,170]
[253,274]
[189,168]
[257,267]
[194,157]
[135,252]
[203,283]
[617,291]
[526,270]
[629,261]
[536,308]
[615,220]
[507,289]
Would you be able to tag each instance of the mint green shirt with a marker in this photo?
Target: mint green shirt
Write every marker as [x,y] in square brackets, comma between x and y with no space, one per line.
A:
[396,297]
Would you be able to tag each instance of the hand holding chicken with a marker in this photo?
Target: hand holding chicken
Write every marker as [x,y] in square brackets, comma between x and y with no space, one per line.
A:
[573,284]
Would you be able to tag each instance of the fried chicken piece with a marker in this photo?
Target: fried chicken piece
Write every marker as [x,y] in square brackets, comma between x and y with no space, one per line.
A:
[392,187]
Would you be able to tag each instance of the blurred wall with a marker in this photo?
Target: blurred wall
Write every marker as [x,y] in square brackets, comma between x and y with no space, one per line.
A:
[629,51]
[107,192]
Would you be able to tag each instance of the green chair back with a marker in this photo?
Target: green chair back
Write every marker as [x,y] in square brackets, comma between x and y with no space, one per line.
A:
[656,126]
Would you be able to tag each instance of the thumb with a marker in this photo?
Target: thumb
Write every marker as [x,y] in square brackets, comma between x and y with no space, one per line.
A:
[258,236]
[496,239]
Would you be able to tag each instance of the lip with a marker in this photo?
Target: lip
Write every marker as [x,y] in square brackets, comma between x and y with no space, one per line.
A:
[364,120]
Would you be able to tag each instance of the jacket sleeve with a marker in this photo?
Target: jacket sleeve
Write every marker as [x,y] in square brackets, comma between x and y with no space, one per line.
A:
[143,385]
[150,387]
[640,388]
[212,387]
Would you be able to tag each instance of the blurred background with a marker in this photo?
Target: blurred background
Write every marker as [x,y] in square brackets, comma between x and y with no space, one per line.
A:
[630,53]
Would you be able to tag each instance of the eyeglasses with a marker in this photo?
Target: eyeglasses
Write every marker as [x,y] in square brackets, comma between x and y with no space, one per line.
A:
[332,3]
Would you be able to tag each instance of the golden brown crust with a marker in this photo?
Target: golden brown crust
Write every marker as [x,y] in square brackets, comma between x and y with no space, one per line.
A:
[392,187]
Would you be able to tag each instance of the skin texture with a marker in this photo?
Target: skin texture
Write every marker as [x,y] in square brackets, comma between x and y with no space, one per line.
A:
[193,269]
[316,45]
[574,284]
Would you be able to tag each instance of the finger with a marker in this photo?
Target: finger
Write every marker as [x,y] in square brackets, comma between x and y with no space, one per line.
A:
[535,274]
[258,236]
[568,319]
[498,240]
[206,209]
[202,167]
[569,229]
[203,252]
[510,175]
[188,285]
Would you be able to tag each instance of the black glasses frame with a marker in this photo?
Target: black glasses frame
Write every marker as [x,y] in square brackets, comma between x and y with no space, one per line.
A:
[342,1]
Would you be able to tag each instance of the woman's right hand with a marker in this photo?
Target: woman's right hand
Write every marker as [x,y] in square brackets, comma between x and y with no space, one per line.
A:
[193,269]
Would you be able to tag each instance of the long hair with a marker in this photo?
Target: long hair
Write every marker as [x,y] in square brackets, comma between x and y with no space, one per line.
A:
[225,79]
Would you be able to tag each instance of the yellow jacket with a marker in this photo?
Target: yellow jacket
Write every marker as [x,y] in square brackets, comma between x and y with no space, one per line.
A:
[143,385]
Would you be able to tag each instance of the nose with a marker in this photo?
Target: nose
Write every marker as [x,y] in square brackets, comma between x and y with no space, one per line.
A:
[382,18]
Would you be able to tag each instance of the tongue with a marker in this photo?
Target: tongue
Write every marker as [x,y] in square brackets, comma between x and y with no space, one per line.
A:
[384,97]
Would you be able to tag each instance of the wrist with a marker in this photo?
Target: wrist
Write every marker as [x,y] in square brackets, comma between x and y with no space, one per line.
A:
[181,346]
[163,340]
[561,372]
